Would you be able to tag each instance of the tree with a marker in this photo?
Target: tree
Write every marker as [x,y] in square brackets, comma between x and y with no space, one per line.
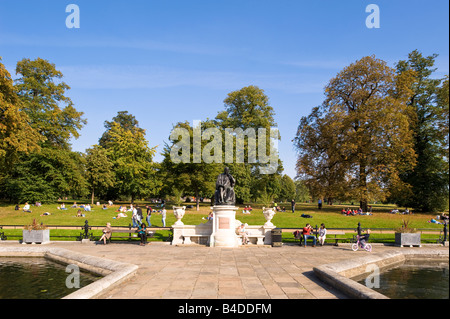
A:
[46,176]
[321,172]
[46,119]
[301,191]
[429,179]
[197,179]
[287,189]
[16,135]
[132,159]
[43,99]
[127,121]
[361,134]
[99,170]
[249,109]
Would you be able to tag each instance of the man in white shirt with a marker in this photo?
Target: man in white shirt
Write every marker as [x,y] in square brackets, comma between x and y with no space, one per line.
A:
[163,217]
[134,217]
[26,208]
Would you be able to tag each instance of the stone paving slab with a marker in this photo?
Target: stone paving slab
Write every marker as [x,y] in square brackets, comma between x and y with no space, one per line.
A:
[199,272]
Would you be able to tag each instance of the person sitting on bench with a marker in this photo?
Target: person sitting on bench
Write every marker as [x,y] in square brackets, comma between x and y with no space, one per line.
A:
[106,233]
[142,232]
[307,234]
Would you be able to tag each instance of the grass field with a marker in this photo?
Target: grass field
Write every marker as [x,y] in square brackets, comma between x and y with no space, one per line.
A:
[329,215]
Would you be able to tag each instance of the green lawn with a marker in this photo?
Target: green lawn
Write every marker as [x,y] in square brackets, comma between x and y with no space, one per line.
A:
[329,215]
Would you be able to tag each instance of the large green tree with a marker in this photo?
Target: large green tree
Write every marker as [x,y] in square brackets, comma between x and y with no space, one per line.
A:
[287,189]
[99,170]
[44,99]
[46,176]
[52,170]
[195,177]
[249,109]
[429,179]
[132,159]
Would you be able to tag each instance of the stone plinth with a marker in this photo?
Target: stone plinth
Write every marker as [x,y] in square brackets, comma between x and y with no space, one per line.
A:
[224,227]
[221,231]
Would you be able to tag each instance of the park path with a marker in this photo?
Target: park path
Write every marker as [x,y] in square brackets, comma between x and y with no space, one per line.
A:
[199,272]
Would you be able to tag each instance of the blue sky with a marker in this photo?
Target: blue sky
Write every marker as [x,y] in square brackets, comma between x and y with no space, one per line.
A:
[172,60]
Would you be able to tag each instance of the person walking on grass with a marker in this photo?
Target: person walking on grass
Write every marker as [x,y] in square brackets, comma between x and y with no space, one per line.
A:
[149,215]
[163,216]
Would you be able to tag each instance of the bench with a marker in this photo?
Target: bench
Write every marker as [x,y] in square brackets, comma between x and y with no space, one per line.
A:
[187,238]
[329,232]
[259,238]
[335,233]
[129,231]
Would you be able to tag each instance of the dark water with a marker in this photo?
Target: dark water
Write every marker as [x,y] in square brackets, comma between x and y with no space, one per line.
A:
[36,278]
[415,282]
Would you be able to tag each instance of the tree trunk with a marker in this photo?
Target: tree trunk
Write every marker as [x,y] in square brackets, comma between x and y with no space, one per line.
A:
[92,198]
[363,202]
[197,200]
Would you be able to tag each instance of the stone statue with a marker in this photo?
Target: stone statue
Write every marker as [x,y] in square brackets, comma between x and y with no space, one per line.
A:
[225,189]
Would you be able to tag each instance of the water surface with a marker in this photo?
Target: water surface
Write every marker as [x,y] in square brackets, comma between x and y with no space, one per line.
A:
[415,282]
[37,278]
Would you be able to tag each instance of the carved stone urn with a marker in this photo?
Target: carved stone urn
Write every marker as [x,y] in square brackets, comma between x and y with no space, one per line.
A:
[268,215]
[179,212]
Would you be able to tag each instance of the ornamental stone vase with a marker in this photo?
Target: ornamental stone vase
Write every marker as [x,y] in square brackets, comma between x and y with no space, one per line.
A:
[179,212]
[268,215]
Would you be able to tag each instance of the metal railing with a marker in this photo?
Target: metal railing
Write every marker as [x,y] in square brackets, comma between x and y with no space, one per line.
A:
[87,232]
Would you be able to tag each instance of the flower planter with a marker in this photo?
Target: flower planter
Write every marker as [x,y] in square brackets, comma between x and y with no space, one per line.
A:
[36,236]
[408,239]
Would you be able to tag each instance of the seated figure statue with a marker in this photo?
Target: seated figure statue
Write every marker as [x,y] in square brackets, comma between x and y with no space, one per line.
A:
[225,189]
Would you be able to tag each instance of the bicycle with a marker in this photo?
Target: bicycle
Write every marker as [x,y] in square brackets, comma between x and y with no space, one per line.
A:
[361,244]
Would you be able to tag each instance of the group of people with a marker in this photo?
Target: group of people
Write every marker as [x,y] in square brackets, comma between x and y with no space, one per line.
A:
[26,208]
[307,233]
[354,212]
[141,230]
[137,215]
[405,212]
[247,209]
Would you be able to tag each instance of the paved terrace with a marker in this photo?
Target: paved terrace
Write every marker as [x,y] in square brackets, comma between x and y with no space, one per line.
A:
[199,272]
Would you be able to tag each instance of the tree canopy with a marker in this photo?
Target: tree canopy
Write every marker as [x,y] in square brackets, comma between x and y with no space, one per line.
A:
[359,140]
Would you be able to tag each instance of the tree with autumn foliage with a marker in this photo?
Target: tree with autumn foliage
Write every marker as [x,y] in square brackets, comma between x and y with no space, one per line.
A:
[360,139]
[40,119]
[16,134]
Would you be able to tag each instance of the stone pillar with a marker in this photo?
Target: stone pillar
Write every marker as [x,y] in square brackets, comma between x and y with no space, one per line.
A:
[267,231]
[177,234]
[224,227]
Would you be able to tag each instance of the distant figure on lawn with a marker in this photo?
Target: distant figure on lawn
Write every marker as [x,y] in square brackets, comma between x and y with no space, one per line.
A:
[26,208]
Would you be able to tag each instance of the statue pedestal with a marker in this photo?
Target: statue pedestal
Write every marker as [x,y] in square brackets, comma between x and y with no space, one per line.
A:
[224,227]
